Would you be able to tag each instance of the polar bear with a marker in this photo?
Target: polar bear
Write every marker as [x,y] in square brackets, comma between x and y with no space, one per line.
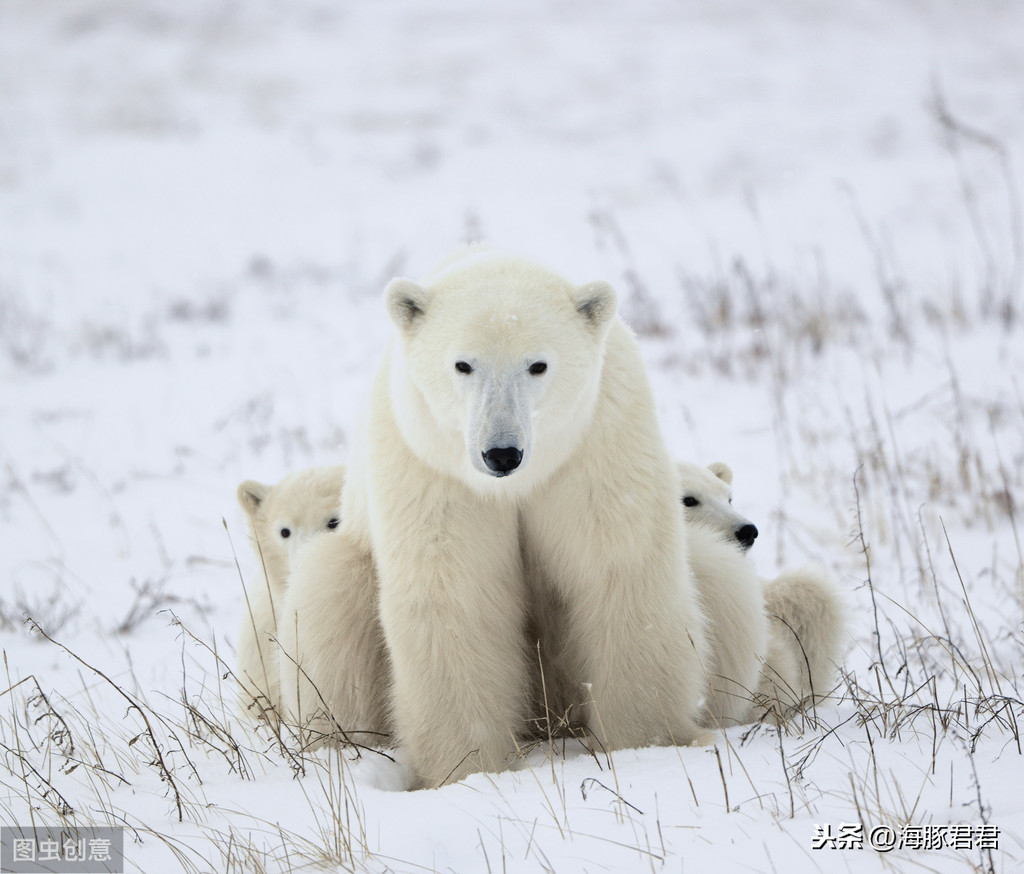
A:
[707,499]
[730,589]
[281,518]
[804,610]
[510,455]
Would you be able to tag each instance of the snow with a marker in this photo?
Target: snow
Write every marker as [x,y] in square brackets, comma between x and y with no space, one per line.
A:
[813,214]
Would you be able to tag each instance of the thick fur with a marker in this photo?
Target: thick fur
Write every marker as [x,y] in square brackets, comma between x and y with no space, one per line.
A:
[729,589]
[302,504]
[586,527]
[807,621]
[737,625]
[334,675]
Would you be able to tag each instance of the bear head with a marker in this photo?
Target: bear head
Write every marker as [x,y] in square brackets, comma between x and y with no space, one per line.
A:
[497,367]
[706,495]
[282,517]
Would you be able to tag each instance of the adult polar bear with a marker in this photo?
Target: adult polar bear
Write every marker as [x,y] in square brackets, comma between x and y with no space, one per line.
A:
[510,462]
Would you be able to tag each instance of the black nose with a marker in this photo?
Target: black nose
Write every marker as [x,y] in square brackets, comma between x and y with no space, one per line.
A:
[747,535]
[503,460]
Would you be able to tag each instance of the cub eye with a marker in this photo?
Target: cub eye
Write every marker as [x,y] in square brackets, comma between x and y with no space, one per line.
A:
[333,523]
[538,367]
[463,367]
[690,501]
[286,532]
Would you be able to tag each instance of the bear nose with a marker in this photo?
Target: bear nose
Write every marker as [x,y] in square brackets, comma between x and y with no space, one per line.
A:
[503,459]
[746,535]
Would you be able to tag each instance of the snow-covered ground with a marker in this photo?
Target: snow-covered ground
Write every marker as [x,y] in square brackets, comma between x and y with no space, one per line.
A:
[813,213]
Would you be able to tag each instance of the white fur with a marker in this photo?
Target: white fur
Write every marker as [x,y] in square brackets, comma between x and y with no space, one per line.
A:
[737,626]
[304,504]
[587,527]
[807,622]
[334,675]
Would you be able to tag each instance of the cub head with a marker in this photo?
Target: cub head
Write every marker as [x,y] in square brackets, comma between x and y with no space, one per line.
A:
[706,495]
[498,365]
[283,516]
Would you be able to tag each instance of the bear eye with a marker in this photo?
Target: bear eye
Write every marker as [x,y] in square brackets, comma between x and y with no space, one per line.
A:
[332,523]
[538,367]
[463,367]
[690,501]
[286,532]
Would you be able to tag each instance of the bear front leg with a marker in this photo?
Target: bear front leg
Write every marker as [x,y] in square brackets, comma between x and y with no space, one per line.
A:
[631,626]
[333,671]
[641,659]
[452,608]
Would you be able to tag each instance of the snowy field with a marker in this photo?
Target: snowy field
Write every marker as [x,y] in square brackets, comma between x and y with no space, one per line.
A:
[813,215]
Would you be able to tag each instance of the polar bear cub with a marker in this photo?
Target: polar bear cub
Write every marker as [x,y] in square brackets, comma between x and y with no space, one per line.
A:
[805,613]
[737,626]
[510,456]
[281,518]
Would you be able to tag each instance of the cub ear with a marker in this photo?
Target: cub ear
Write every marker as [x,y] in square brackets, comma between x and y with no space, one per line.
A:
[596,302]
[722,471]
[406,301]
[251,495]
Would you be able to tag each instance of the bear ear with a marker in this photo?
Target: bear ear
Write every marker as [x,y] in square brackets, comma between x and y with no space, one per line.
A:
[406,301]
[251,495]
[722,471]
[596,302]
